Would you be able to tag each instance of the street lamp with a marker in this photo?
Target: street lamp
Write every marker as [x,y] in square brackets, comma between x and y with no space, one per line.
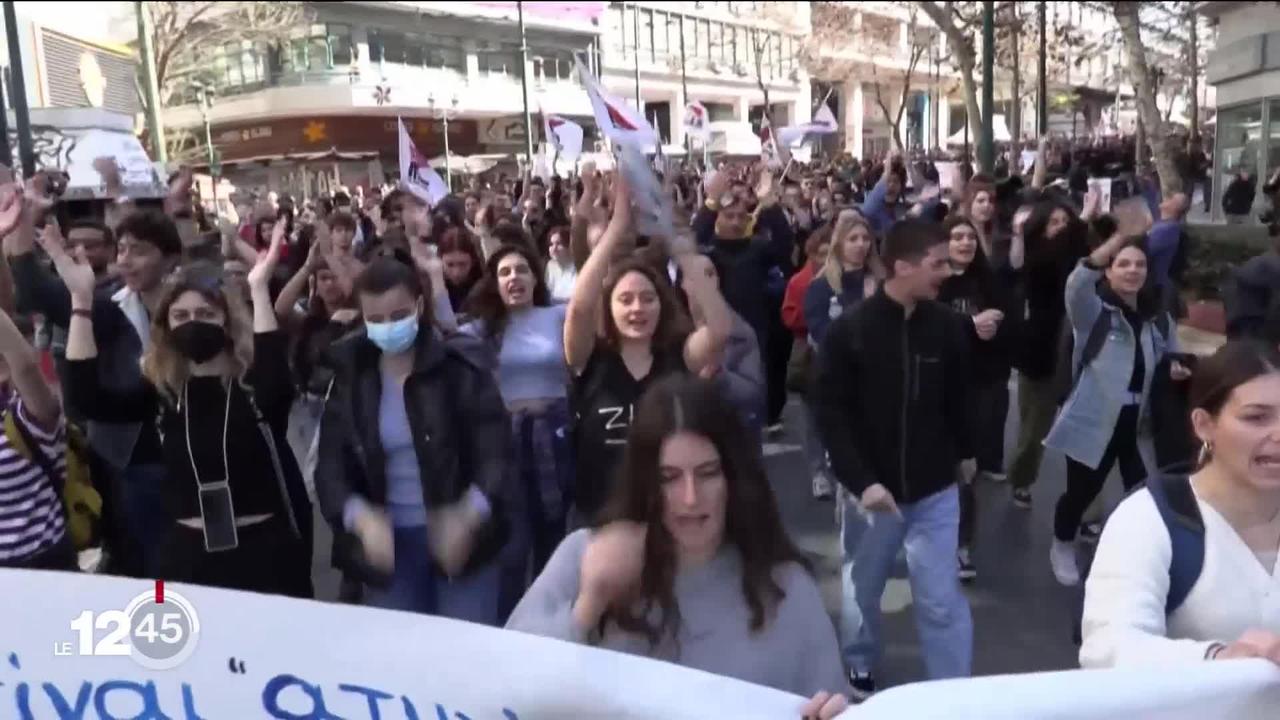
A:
[204,96]
[445,114]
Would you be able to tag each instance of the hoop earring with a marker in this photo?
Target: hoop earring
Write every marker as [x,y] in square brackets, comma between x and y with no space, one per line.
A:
[1206,453]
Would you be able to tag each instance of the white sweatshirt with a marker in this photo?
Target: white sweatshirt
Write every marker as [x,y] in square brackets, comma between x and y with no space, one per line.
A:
[1124,620]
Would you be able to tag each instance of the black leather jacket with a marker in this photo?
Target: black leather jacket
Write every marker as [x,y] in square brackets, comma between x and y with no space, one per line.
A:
[460,431]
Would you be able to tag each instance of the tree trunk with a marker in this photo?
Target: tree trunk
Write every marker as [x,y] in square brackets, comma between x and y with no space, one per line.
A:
[1163,147]
[1194,64]
[1015,112]
[966,58]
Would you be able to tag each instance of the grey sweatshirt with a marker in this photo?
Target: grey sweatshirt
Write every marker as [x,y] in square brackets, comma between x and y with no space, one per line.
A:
[795,651]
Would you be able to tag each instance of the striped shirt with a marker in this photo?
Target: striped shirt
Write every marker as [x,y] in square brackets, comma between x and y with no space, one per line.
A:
[31,519]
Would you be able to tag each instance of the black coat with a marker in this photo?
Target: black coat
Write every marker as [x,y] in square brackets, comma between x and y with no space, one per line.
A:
[891,397]
[460,430]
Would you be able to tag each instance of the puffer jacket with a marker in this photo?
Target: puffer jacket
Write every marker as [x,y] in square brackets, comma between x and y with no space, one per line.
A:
[460,429]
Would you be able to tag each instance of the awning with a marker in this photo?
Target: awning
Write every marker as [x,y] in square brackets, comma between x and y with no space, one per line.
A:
[733,138]
[330,155]
[1000,132]
[470,165]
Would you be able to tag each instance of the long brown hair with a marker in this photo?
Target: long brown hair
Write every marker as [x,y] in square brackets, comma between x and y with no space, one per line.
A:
[162,364]
[752,524]
[672,323]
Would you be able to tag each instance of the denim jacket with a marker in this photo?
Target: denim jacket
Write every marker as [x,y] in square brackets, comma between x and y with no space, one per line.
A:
[1088,417]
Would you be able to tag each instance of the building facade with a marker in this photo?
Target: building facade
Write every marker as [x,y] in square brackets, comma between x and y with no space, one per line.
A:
[321,111]
[1245,70]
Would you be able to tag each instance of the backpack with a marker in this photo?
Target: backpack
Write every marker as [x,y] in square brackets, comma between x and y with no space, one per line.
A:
[1065,374]
[81,502]
[1180,513]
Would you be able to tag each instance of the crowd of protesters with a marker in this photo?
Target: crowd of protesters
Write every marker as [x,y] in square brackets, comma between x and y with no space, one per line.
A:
[513,409]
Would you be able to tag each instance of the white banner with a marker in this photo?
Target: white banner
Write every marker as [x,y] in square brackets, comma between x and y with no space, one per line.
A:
[100,648]
[259,656]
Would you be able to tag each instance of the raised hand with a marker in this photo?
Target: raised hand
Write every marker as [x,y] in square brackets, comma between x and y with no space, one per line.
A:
[12,207]
[610,569]
[179,198]
[109,171]
[260,275]
[74,271]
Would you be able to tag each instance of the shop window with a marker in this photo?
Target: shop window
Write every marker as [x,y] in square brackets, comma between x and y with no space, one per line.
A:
[1239,144]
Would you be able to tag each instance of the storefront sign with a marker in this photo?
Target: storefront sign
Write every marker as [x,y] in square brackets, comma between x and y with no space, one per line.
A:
[349,134]
[502,131]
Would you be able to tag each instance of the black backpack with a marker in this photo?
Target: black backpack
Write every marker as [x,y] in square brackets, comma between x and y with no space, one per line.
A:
[1065,374]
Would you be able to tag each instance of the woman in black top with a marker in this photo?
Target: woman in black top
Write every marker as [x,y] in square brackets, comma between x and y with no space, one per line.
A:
[977,291]
[642,341]
[219,389]
[324,317]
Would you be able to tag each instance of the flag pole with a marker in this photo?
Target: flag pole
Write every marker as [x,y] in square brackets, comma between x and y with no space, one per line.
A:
[524,86]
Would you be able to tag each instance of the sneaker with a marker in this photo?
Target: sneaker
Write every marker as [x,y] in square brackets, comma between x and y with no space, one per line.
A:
[995,477]
[774,429]
[822,489]
[967,571]
[864,686]
[1022,498]
[1062,557]
[1090,532]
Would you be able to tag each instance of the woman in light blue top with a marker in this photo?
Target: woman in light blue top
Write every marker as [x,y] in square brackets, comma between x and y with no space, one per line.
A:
[513,313]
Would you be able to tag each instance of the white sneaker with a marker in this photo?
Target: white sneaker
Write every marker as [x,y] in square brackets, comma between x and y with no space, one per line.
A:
[1062,558]
[822,489]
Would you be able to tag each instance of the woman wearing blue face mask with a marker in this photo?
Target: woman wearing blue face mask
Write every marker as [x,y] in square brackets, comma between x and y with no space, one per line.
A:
[413,448]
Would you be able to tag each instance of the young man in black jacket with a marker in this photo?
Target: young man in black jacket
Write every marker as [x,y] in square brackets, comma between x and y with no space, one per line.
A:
[891,404]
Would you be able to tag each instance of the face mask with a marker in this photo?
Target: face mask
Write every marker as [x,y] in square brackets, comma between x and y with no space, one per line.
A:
[394,336]
[199,341]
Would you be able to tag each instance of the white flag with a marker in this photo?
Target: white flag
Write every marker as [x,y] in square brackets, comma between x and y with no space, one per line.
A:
[770,153]
[618,121]
[416,175]
[823,123]
[564,135]
[696,121]
[651,207]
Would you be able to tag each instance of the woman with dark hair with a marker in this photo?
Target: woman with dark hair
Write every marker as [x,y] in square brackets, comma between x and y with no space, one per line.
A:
[692,564]
[1055,238]
[643,340]
[413,458]
[984,296]
[1142,606]
[512,312]
[1120,334]
[463,266]
[218,387]
[561,272]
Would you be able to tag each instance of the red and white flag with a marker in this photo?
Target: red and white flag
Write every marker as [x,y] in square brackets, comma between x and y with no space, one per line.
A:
[770,153]
[416,174]
[619,122]
[564,135]
[696,121]
[823,123]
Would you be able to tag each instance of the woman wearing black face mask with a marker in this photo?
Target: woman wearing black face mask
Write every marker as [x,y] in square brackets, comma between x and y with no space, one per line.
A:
[220,392]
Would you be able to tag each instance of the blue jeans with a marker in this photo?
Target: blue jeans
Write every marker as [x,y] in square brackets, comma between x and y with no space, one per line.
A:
[928,530]
[417,587]
[852,528]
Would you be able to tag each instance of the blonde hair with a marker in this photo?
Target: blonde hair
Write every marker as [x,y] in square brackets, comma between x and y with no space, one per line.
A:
[833,270]
[162,364]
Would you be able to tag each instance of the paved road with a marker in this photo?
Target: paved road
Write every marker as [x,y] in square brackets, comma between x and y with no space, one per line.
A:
[1021,615]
